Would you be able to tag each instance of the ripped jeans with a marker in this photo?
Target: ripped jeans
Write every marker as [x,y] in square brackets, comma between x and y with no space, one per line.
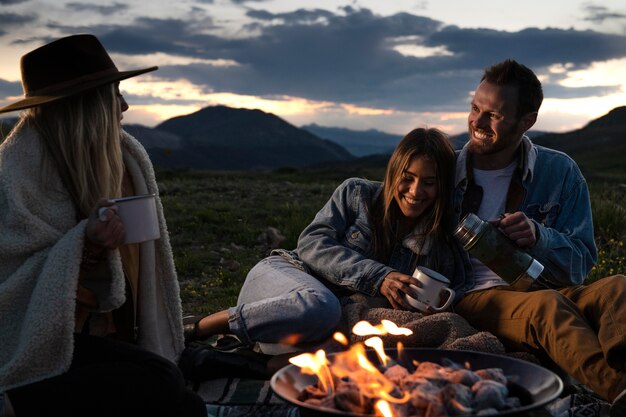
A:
[281,303]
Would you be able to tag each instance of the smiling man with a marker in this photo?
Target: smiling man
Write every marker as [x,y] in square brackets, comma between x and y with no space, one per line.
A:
[539,199]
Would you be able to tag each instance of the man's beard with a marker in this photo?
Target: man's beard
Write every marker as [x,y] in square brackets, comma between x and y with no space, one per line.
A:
[489,146]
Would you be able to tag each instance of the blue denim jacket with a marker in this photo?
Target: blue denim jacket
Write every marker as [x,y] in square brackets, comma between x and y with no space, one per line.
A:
[335,246]
[556,198]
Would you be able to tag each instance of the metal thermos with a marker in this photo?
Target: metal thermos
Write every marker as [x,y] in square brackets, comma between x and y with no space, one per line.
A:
[488,244]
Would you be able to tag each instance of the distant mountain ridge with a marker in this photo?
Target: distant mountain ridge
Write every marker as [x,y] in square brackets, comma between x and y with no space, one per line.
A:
[598,148]
[358,142]
[225,138]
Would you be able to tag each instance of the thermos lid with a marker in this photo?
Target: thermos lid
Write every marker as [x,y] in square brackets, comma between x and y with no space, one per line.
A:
[468,229]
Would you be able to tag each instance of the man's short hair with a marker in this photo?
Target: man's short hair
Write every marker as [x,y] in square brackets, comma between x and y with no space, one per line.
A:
[529,90]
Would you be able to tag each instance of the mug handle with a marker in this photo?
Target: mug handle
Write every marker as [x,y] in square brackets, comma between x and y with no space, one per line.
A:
[448,301]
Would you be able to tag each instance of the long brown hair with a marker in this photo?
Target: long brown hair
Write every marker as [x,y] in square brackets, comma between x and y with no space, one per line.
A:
[81,138]
[435,145]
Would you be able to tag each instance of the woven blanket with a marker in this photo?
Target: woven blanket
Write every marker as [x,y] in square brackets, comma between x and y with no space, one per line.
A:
[232,397]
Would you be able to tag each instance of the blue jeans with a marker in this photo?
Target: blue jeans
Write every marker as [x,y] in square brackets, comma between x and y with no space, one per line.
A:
[281,303]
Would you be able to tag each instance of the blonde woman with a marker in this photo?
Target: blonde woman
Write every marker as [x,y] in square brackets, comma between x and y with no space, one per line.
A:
[90,325]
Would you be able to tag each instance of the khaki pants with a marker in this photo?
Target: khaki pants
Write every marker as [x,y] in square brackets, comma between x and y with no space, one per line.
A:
[581,328]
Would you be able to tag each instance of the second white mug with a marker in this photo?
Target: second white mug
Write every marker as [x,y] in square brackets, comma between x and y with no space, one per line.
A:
[429,293]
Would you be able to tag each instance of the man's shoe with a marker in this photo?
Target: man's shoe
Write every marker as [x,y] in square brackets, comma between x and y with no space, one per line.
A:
[618,408]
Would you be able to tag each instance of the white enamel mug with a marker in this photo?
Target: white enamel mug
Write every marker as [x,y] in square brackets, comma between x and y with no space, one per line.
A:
[139,216]
[429,294]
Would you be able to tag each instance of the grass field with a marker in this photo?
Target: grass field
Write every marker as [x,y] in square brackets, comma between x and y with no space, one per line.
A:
[215,221]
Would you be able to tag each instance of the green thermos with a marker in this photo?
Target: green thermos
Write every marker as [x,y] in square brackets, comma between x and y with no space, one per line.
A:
[488,244]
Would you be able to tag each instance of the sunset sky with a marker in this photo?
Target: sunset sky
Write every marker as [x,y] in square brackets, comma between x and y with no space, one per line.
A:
[388,65]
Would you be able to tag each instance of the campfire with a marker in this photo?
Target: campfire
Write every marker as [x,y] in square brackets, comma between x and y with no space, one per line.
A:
[357,383]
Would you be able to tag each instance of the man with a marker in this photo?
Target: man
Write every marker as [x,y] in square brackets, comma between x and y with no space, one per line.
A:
[542,203]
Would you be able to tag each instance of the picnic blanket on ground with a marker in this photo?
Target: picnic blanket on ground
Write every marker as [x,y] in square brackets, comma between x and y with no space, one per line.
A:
[233,397]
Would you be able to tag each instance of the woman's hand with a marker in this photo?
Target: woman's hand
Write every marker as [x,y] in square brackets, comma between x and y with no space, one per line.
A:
[394,288]
[105,229]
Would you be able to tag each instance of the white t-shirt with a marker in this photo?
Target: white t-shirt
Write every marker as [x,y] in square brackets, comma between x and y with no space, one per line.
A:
[495,185]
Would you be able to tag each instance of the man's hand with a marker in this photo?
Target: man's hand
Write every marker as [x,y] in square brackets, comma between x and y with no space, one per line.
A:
[518,228]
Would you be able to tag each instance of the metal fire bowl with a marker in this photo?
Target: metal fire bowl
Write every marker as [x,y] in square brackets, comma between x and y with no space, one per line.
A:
[534,385]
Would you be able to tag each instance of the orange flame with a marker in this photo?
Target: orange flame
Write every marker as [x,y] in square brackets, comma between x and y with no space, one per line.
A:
[364,328]
[383,408]
[354,363]
[341,338]
[376,343]
[315,365]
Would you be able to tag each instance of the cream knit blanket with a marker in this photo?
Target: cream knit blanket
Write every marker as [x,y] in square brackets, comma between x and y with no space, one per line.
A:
[40,252]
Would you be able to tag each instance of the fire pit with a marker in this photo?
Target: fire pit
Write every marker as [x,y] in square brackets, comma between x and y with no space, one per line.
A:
[534,385]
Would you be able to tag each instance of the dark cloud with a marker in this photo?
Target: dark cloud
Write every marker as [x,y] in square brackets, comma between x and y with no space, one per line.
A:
[13,19]
[298,16]
[598,14]
[348,56]
[553,90]
[102,10]
[248,1]
[535,47]
[12,1]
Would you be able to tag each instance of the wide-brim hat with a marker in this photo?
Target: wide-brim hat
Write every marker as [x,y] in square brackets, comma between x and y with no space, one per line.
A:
[66,67]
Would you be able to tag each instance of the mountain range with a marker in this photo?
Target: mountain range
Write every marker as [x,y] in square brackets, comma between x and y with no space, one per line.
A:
[225,138]
[358,142]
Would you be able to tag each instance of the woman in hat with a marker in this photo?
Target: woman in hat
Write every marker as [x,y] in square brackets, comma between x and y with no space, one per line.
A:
[90,325]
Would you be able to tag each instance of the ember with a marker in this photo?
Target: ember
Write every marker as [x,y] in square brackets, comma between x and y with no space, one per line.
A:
[352,383]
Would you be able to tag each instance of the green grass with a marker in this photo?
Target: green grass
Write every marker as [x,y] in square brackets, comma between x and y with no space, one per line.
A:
[609,221]
[215,220]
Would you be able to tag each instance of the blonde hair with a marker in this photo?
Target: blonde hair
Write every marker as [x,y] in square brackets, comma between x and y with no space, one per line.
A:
[82,142]
[434,145]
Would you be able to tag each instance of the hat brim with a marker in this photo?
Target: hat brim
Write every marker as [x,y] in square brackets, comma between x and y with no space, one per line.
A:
[76,89]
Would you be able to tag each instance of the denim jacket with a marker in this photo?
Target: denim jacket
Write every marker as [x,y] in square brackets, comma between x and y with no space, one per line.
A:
[555,197]
[335,247]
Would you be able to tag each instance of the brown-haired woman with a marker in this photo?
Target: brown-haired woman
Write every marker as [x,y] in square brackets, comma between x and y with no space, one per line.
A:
[368,238]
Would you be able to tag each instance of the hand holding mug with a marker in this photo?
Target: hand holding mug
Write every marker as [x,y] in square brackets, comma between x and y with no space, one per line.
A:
[394,287]
[429,287]
[104,229]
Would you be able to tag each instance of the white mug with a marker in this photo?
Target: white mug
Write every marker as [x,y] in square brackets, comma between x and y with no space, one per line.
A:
[139,216]
[432,284]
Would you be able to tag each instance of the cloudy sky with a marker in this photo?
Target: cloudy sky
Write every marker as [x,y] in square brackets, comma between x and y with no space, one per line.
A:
[385,64]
